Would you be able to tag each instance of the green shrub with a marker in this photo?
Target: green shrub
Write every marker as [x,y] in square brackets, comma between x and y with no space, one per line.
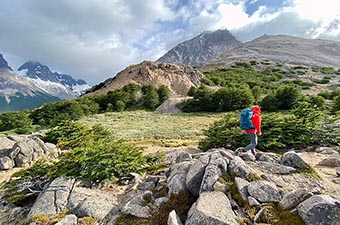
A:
[150,97]
[327,70]
[280,131]
[19,122]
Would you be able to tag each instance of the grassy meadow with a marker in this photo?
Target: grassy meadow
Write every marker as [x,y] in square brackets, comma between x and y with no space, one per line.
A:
[143,127]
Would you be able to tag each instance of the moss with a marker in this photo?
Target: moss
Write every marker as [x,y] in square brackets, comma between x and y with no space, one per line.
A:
[57,217]
[161,192]
[226,179]
[274,215]
[86,221]
[310,172]
[126,219]
[40,219]
[236,195]
[180,202]
[253,177]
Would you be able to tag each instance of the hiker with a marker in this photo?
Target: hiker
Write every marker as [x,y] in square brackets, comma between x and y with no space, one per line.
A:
[252,133]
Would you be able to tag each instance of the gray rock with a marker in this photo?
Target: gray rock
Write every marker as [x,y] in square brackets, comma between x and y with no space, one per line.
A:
[207,210]
[260,156]
[252,201]
[326,151]
[90,202]
[239,168]
[275,168]
[228,154]
[337,171]
[146,185]
[330,162]
[54,198]
[218,186]
[6,163]
[112,216]
[160,201]
[292,159]
[68,220]
[173,219]
[183,157]
[195,175]
[264,191]
[247,156]
[291,199]
[6,143]
[177,177]
[242,186]
[217,167]
[22,154]
[320,209]
[136,207]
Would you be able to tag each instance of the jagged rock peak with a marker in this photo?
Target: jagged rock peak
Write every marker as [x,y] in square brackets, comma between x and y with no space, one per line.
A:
[178,78]
[3,63]
[204,47]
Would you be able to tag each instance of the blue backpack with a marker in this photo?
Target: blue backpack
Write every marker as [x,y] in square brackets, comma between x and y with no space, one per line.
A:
[245,119]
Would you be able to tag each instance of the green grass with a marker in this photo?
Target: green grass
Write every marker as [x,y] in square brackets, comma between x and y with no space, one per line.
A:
[159,129]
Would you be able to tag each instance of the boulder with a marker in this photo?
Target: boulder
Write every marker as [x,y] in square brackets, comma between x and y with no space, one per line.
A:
[330,162]
[320,209]
[6,163]
[275,168]
[53,199]
[112,216]
[242,187]
[291,199]
[292,159]
[247,156]
[207,210]
[173,219]
[264,191]
[136,207]
[177,175]
[216,168]
[237,167]
[326,151]
[195,175]
[70,219]
[90,202]
[260,156]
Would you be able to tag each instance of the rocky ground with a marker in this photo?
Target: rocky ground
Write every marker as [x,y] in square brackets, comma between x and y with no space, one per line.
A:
[248,189]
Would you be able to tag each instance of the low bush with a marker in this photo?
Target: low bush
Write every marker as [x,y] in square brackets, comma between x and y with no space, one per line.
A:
[280,131]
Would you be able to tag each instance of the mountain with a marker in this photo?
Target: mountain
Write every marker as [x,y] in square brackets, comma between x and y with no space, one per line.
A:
[16,93]
[61,85]
[178,78]
[3,63]
[33,85]
[285,49]
[201,48]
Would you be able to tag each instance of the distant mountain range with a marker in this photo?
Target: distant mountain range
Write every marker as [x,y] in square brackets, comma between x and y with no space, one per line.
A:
[33,85]
[221,47]
[201,48]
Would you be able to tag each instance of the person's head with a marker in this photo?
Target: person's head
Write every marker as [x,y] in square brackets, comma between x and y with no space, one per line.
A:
[256,109]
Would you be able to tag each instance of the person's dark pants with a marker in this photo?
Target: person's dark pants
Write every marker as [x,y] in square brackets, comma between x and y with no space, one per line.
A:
[253,142]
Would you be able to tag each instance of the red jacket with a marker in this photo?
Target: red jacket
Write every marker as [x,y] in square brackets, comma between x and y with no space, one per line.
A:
[256,120]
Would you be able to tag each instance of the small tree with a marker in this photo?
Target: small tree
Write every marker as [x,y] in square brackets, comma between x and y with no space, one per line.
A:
[163,93]
[150,97]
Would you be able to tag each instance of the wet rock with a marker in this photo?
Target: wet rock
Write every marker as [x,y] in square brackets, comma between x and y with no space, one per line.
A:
[207,210]
[320,209]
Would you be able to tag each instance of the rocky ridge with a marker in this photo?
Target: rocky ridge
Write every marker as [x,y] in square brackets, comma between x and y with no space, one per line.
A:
[201,48]
[178,78]
[227,187]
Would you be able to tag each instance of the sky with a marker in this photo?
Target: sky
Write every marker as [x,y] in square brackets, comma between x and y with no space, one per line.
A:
[95,39]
